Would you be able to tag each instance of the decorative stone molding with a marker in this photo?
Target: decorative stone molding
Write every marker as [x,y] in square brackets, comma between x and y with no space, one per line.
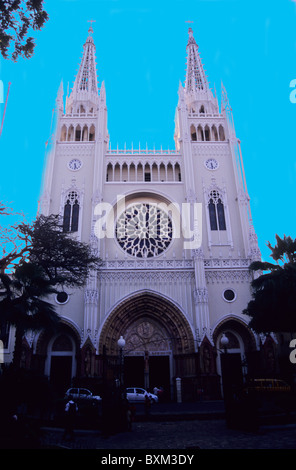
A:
[135,264]
[146,336]
[30,337]
[91,296]
[90,336]
[75,149]
[147,277]
[203,333]
[217,263]
[198,254]
[224,276]
[191,196]
[243,198]
[210,149]
[201,295]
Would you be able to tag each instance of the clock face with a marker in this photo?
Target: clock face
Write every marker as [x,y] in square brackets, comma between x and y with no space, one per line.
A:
[211,164]
[75,164]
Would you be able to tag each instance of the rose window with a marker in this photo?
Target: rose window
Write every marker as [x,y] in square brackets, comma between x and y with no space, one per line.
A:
[144,230]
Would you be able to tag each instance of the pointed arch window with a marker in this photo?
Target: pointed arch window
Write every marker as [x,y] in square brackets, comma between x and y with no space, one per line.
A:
[63,133]
[92,133]
[71,212]
[216,211]
[193,133]
[221,133]
[207,134]
[200,133]
[215,133]
[78,133]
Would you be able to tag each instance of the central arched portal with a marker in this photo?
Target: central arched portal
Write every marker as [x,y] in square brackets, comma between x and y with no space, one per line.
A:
[157,336]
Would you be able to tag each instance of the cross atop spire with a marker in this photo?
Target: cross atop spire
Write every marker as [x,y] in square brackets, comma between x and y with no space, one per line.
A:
[195,76]
[90,31]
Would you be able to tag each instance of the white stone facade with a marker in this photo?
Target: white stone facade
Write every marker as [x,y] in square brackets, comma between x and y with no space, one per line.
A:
[187,285]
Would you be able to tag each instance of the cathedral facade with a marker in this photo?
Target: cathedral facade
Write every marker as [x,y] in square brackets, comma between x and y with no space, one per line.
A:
[175,235]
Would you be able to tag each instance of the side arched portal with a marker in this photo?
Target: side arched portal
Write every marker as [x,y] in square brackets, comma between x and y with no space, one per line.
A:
[237,361]
[57,354]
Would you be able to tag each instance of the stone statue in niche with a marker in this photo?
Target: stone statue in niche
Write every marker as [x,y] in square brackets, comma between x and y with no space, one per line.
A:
[207,359]
[87,363]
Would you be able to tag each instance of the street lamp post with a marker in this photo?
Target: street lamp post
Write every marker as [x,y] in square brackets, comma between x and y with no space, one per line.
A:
[122,414]
[224,341]
[226,379]
[121,344]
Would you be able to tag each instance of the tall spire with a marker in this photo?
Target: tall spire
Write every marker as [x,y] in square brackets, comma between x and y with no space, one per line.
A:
[85,87]
[196,80]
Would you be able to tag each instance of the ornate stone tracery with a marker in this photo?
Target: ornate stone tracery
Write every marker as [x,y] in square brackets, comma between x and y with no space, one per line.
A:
[146,335]
[144,230]
[147,315]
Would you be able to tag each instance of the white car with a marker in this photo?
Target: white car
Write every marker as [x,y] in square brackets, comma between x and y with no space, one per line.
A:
[136,394]
[81,394]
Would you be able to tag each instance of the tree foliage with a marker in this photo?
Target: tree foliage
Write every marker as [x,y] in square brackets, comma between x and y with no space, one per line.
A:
[63,259]
[43,260]
[273,304]
[17,17]
[22,303]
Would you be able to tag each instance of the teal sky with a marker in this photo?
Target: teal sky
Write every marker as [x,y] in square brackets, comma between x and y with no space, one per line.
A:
[141,56]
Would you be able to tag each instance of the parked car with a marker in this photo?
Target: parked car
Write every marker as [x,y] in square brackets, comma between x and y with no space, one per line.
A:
[268,385]
[81,394]
[136,394]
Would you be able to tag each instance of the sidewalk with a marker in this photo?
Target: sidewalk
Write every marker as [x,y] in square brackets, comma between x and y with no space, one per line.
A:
[200,425]
[188,435]
[182,411]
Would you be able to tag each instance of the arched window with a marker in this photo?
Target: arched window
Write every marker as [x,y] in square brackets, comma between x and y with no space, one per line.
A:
[78,133]
[216,211]
[221,133]
[85,133]
[193,133]
[71,212]
[124,172]
[162,172]
[177,172]
[70,133]
[200,133]
[147,173]
[63,133]
[215,133]
[117,172]
[109,172]
[202,109]
[92,133]
[207,133]
[139,172]
[154,172]
[170,172]
[132,172]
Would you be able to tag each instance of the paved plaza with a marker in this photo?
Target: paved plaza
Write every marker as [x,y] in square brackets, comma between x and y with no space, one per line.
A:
[197,434]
